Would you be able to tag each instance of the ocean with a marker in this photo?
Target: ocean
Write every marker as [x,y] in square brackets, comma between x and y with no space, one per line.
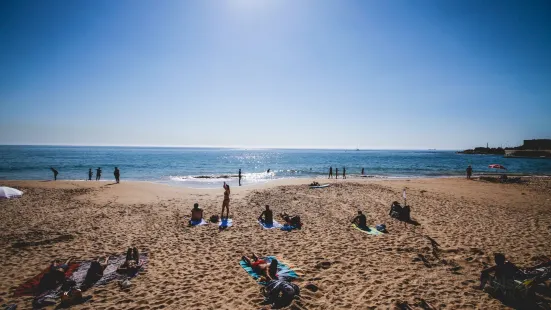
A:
[209,167]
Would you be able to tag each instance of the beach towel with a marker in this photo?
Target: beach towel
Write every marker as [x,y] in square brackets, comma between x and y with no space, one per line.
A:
[284,272]
[371,231]
[30,287]
[287,227]
[198,223]
[225,223]
[275,224]
[110,273]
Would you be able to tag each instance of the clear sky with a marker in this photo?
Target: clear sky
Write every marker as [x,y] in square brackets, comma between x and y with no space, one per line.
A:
[252,73]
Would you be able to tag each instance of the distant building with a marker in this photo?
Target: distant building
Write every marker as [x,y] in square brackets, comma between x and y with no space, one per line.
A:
[537,144]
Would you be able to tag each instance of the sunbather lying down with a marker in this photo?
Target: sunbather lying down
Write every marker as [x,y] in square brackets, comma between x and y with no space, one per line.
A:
[94,273]
[262,267]
[132,264]
[505,270]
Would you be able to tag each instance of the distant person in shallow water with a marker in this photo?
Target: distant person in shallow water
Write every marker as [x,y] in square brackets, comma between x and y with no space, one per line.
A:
[469,172]
[90,174]
[117,174]
[98,174]
[226,202]
[268,171]
[239,177]
[330,172]
[336,173]
[55,173]
[362,171]
[343,172]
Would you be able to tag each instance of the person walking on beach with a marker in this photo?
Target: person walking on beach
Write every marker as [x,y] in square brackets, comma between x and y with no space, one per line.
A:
[330,172]
[469,172]
[117,174]
[362,171]
[336,173]
[226,202]
[90,173]
[55,173]
[239,177]
[343,172]
[98,174]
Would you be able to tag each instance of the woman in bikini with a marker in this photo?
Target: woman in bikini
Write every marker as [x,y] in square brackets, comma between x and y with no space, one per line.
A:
[262,267]
[226,202]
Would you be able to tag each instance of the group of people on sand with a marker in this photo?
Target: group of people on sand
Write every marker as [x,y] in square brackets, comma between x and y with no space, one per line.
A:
[71,292]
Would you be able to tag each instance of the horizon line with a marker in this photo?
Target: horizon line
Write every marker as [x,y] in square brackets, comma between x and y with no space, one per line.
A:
[232,147]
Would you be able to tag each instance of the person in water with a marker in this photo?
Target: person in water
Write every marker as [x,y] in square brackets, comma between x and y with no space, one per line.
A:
[330,172]
[98,174]
[239,177]
[262,267]
[469,172]
[196,213]
[360,221]
[336,173]
[55,173]
[362,171]
[343,172]
[117,174]
[266,217]
[226,202]
[90,174]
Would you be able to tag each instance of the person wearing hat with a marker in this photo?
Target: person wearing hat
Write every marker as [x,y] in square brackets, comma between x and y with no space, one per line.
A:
[196,213]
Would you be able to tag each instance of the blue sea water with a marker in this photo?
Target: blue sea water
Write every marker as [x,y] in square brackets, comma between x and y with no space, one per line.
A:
[183,166]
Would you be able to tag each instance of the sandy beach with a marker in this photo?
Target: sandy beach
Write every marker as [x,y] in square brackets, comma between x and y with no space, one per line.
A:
[462,223]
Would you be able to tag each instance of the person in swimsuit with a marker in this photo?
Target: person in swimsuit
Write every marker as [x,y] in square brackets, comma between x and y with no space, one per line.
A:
[196,213]
[94,273]
[266,217]
[132,263]
[262,267]
[226,202]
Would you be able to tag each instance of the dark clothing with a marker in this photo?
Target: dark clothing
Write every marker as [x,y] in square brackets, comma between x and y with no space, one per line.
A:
[330,172]
[469,172]
[239,177]
[344,173]
[117,174]
[268,217]
[90,173]
[98,174]
[336,173]
[55,173]
[94,274]
[361,221]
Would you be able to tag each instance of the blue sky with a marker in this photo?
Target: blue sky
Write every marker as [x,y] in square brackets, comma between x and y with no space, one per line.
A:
[327,74]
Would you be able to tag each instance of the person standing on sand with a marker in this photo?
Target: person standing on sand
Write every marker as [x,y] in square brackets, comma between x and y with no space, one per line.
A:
[336,173]
[98,174]
[362,171]
[469,172]
[239,176]
[343,172]
[117,174]
[226,202]
[90,173]
[55,173]
[330,172]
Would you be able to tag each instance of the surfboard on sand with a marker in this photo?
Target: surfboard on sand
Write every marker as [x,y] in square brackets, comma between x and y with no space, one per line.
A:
[320,186]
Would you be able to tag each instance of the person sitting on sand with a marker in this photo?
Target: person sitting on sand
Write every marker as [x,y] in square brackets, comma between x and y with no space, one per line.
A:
[314,184]
[262,267]
[266,217]
[293,221]
[94,273]
[395,210]
[196,213]
[131,265]
[55,275]
[360,221]
[504,270]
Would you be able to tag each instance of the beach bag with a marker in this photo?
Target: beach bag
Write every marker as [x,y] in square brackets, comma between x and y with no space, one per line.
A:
[280,293]
[381,227]
[214,219]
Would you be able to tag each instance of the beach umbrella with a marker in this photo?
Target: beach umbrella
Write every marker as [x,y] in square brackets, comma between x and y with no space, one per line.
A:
[496,166]
[8,192]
